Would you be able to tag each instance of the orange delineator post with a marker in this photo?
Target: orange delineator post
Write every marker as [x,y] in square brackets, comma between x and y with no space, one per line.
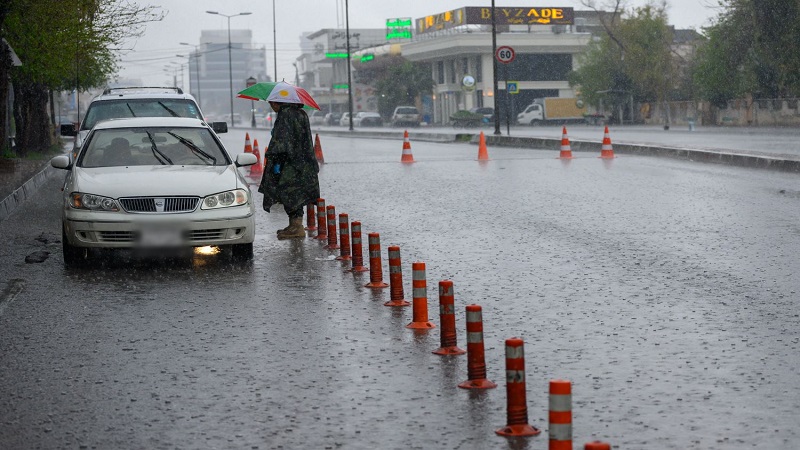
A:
[597,445]
[407,156]
[560,415]
[344,237]
[483,154]
[357,251]
[311,218]
[606,150]
[447,317]
[566,149]
[516,405]
[322,222]
[332,240]
[318,150]
[375,268]
[257,169]
[476,362]
[396,293]
[419,297]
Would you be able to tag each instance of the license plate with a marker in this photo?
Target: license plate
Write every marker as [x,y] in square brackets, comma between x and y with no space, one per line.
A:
[161,236]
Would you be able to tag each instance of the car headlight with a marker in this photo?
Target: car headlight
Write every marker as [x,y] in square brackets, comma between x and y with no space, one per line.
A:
[235,197]
[80,200]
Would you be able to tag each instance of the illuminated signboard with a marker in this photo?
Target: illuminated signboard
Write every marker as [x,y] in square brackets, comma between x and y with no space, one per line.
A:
[398,28]
[475,15]
[336,55]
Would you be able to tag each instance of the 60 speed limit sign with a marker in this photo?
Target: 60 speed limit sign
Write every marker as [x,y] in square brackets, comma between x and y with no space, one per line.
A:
[505,54]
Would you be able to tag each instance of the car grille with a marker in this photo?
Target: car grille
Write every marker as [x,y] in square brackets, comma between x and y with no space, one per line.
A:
[132,236]
[159,204]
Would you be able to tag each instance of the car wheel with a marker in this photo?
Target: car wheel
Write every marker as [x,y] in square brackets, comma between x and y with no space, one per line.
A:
[535,123]
[242,252]
[73,256]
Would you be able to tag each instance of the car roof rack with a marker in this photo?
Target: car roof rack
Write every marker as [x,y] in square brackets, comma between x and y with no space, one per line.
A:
[110,90]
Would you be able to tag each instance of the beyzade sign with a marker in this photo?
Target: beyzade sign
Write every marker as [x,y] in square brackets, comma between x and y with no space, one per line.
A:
[476,15]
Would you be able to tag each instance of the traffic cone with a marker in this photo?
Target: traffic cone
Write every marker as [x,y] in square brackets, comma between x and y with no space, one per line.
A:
[257,169]
[247,147]
[407,156]
[483,155]
[566,150]
[606,151]
[318,150]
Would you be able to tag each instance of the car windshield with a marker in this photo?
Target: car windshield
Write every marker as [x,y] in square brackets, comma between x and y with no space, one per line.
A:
[152,146]
[151,107]
[406,111]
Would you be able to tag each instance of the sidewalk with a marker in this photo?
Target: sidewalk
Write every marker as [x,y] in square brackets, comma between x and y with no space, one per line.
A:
[18,180]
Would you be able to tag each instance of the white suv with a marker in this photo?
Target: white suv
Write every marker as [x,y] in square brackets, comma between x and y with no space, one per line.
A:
[126,102]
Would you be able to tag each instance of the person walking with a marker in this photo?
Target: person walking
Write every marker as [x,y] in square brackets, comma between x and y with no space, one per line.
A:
[291,174]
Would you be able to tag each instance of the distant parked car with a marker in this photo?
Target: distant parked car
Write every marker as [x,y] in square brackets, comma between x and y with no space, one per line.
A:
[332,118]
[316,117]
[367,119]
[345,120]
[405,115]
[488,113]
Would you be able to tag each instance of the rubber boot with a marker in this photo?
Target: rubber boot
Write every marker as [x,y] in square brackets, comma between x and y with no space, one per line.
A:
[296,230]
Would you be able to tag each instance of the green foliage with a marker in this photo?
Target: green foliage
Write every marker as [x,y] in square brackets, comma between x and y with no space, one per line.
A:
[633,60]
[752,49]
[401,84]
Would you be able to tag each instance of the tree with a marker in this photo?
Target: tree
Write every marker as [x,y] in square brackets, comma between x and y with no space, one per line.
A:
[753,49]
[63,45]
[633,61]
[401,84]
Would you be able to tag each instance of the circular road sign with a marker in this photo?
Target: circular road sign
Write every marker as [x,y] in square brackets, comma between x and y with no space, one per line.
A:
[505,54]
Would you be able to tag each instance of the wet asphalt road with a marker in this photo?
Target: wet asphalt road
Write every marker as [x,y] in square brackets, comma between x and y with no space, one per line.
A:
[663,289]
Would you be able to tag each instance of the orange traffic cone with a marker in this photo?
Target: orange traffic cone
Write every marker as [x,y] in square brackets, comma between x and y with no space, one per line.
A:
[566,150]
[407,156]
[606,151]
[247,147]
[318,150]
[483,155]
[257,169]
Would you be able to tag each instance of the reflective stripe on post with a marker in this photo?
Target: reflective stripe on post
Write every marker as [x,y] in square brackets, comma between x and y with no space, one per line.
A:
[560,415]
[476,362]
[516,405]
[447,317]
[396,279]
[357,250]
[344,237]
[332,240]
[419,298]
[375,268]
[322,227]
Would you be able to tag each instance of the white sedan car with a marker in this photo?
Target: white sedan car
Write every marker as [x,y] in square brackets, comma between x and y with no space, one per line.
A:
[157,183]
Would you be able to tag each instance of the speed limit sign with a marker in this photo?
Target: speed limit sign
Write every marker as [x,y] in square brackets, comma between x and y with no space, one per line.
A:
[505,54]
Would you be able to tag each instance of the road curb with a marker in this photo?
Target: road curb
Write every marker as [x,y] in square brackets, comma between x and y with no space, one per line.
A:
[16,198]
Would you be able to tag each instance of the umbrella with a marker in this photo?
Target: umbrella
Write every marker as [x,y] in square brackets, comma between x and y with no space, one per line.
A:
[281,91]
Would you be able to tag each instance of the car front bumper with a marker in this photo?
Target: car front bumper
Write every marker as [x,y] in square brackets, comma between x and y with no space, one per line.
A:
[177,232]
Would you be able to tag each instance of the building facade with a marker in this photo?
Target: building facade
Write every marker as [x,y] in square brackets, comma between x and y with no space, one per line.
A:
[211,72]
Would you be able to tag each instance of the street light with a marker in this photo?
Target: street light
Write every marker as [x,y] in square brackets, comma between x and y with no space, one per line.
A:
[196,70]
[230,62]
[251,82]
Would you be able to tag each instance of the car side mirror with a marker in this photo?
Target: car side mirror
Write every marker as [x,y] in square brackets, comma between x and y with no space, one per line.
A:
[246,159]
[60,162]
[68,129]
[219,127]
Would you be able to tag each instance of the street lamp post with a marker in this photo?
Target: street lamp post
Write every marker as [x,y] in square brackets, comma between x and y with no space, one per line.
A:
[230,62]
[349,76]
[250,82]
[196,70]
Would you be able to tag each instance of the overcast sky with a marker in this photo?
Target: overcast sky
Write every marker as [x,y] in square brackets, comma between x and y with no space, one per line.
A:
[185,18]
